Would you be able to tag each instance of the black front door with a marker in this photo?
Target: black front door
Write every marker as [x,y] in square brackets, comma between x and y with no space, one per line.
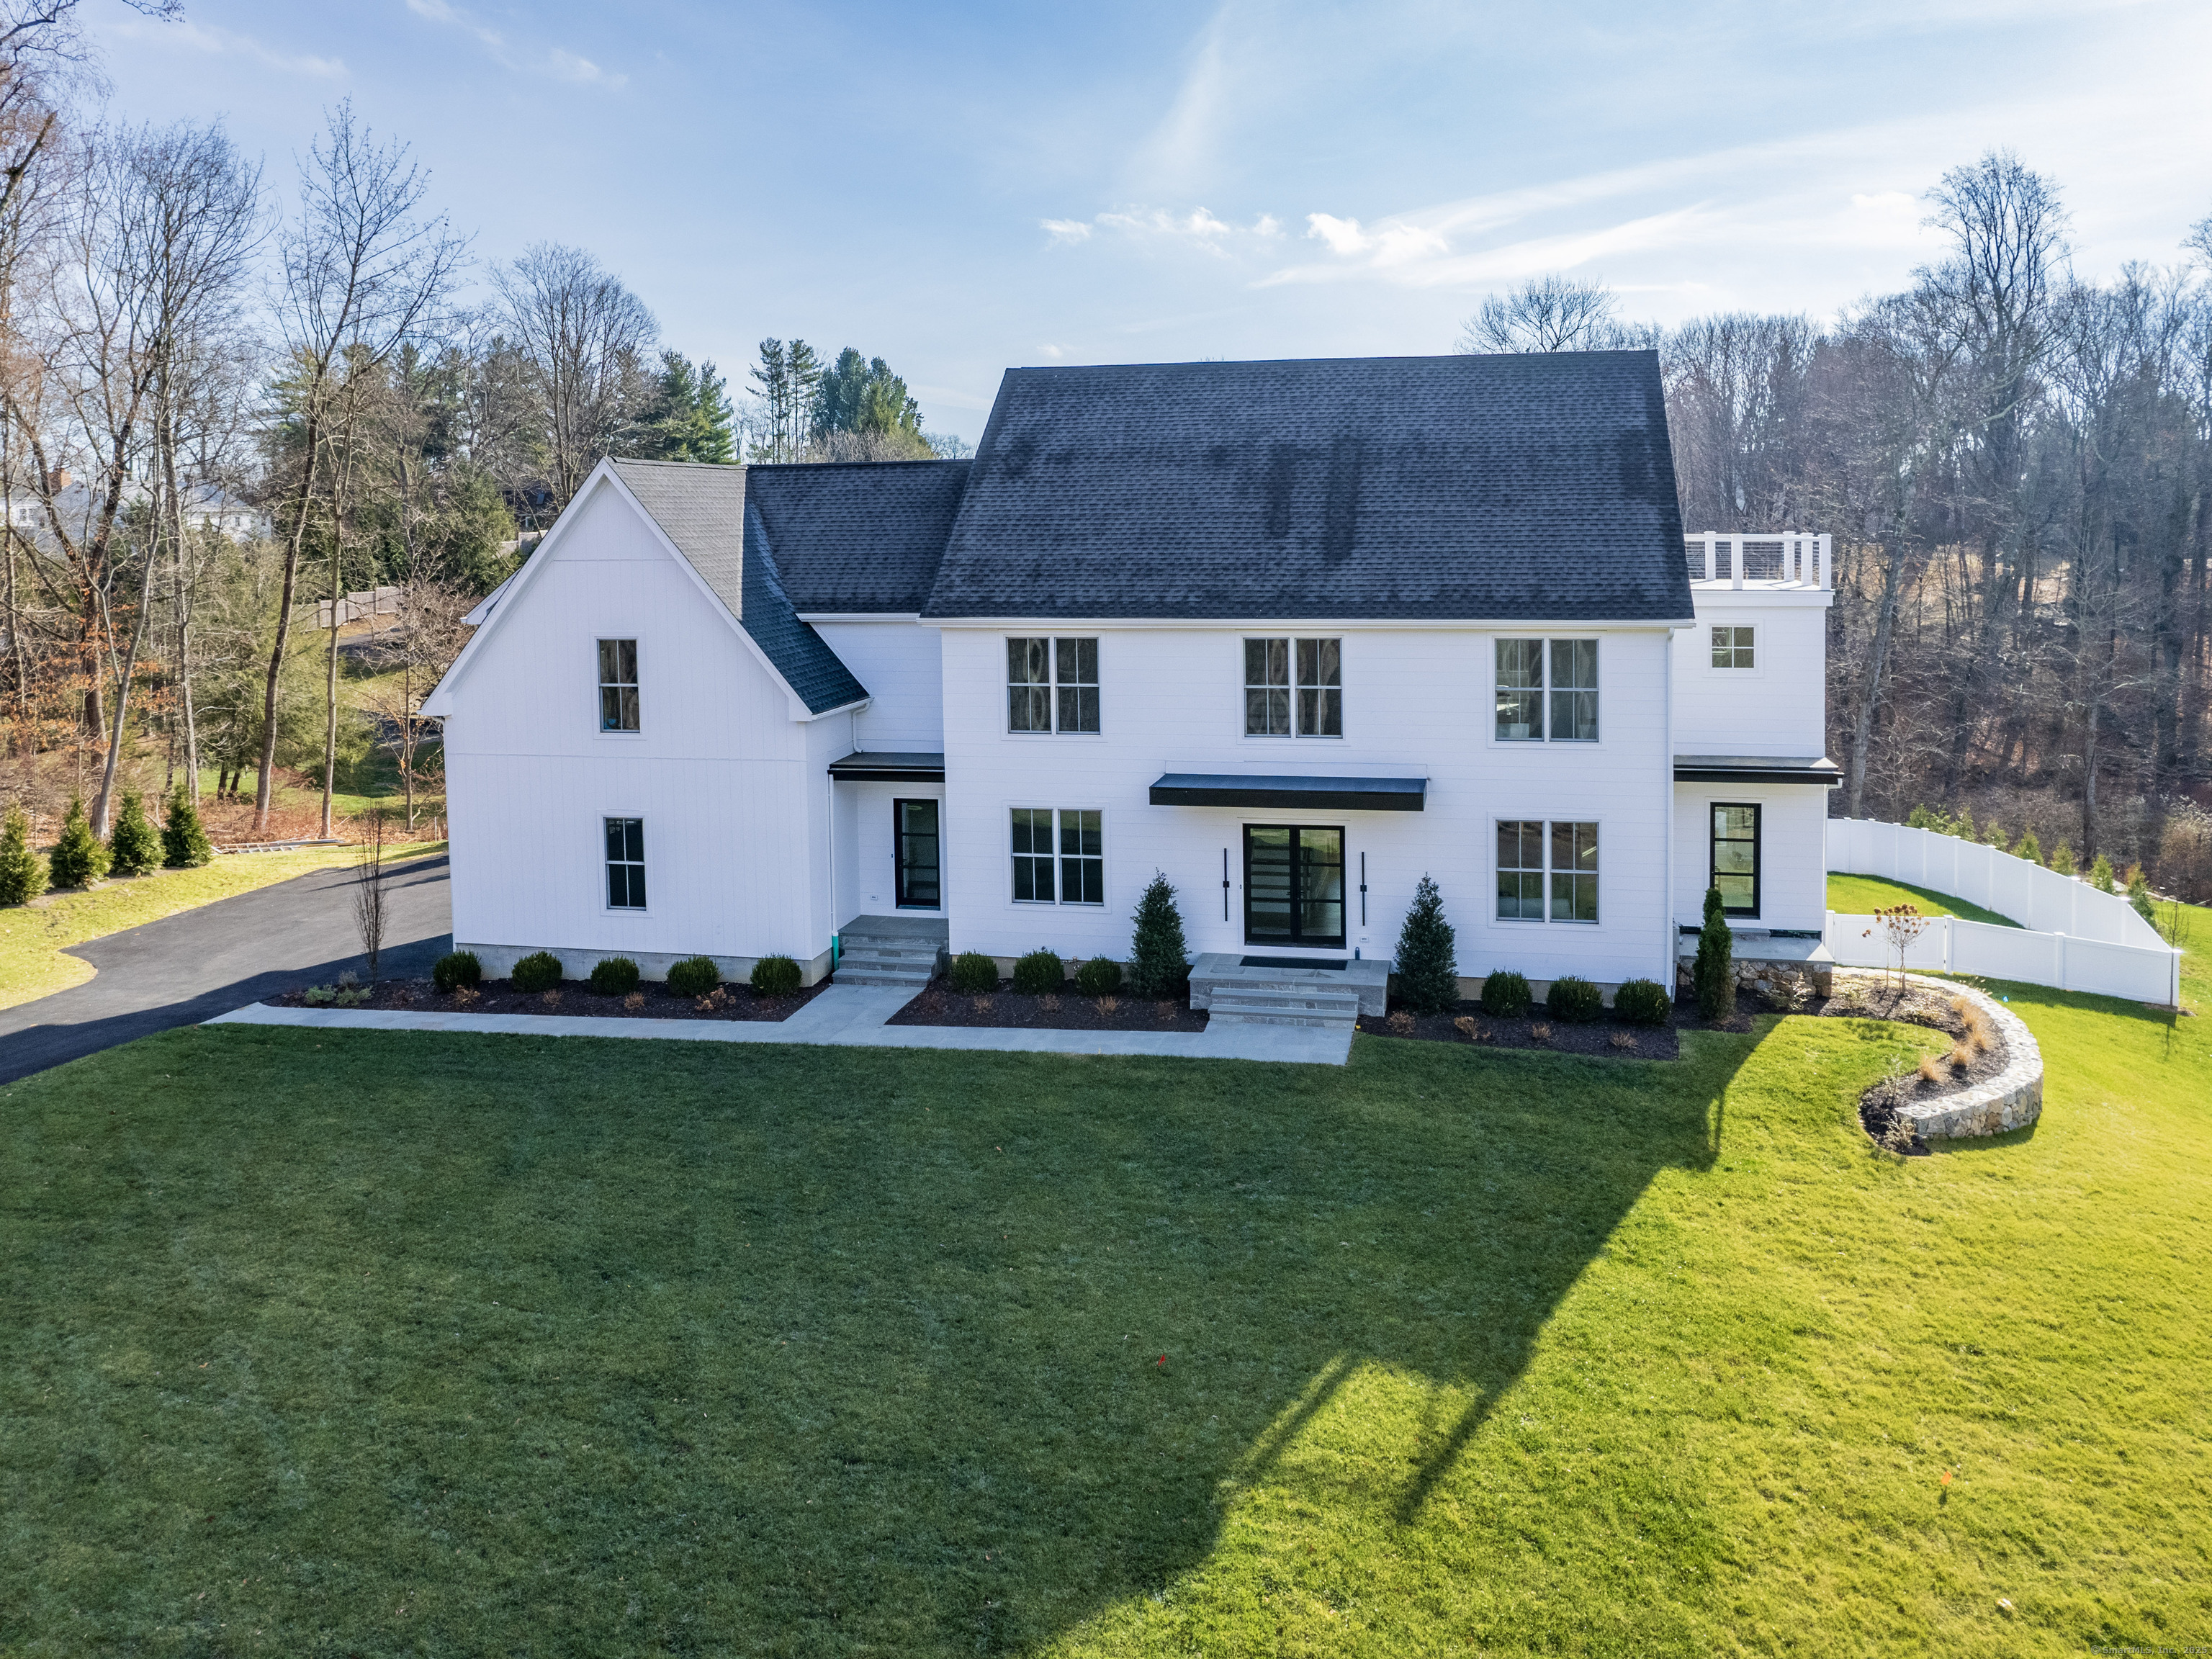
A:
[1293,886]
[914,825]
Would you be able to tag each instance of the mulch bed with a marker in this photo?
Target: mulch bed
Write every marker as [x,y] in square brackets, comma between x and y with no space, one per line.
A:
[498,996]
[1069,1010]
[1536,1030]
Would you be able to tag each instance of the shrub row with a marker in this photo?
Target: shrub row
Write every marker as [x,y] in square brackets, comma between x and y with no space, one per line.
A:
[616,977]
[1574,1001]
[77,859]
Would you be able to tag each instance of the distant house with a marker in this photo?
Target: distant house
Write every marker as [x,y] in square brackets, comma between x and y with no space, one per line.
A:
[1296,634]
[205,507]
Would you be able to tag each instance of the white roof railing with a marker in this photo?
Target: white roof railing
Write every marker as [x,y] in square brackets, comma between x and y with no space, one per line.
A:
[1787,558]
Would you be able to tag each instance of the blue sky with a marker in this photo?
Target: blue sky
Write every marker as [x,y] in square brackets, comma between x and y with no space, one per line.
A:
[960,189]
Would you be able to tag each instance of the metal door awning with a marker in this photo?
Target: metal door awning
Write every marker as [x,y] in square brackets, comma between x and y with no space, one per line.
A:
[1317,795]
[889,767]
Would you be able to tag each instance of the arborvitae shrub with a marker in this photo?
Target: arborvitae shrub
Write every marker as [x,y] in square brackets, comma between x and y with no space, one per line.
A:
[1714,972]
[973,974]
[1921,818]
[2100,874]
[1504,994]
[1039,972]
[775,976]
[1993,832]
[2028,848]
[613,976]
[538,971]
[694,976]
[2139,894]
[1101,976]
[1643,1002]
[1963,825]
[1574,999]
[2062,859]
[457,970]
[134,847]
[22,871]
[78,860]
[1428,955]
[185,843]
[1159,961]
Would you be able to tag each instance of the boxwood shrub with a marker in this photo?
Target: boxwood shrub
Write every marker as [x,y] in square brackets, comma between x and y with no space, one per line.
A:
[1039,972]
[1504,994]
[694,976]
[538,971]
[455,969]
[775,976]
[1643,1002]
[1100,977]
[613,976]
[974,974]
[1574,999]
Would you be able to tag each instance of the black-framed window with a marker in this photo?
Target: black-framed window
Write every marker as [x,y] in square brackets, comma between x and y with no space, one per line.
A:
[1294,687]
[1294,885]
[1733,647]
[1052,685]
[625,864]
[1735,865]
[914,828]
[1075,839]
[1547,870]
[618,685]
[1526,670]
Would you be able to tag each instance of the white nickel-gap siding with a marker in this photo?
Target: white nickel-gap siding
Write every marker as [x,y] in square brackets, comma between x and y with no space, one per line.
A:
[1416,703]
[1793,853]
[1778,706]
[898,662]
[728,783]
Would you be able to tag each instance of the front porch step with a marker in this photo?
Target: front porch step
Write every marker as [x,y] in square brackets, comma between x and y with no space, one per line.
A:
[891,955]
[1245,1005]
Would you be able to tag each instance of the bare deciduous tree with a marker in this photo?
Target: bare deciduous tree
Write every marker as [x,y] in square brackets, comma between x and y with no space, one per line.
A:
[581,336]
[1546,313]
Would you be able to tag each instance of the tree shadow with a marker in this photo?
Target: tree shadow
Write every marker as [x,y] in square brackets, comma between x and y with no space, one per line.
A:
[826,1349]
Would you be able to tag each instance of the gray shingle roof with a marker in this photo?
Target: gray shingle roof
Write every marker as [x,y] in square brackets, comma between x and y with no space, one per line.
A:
[703,508]
[1501,487]
[857,536]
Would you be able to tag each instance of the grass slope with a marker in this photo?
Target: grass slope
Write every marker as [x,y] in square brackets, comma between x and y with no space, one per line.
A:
[1862,896]
[330,1342]
[32,937]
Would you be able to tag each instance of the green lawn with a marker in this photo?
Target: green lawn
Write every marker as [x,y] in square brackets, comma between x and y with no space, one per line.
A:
[1862,896]
[33,936]
[336,1343]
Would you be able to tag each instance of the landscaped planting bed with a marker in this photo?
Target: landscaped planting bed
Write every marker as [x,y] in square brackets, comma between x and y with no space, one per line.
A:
[651,1000]
[1058,1010]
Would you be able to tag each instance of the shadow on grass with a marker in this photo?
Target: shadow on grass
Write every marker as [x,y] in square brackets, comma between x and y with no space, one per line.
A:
[797,1348]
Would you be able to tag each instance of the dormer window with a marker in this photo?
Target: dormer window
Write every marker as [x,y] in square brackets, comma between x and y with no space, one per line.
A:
[618,685]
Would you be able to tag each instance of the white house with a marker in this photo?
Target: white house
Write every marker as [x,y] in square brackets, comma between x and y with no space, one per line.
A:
[1295,633]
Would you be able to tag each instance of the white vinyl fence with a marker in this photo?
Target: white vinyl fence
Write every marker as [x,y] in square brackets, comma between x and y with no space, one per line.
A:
[2071,936]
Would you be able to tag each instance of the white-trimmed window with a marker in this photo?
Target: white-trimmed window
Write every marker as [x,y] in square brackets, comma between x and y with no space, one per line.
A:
[1294,688]
[1058,855]
[618,685]
[1052,685]
[1537,676]
[625,864]
[1547,870]
[1733,647]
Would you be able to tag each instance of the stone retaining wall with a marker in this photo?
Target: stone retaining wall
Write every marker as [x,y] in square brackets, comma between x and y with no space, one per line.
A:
[2012,1099]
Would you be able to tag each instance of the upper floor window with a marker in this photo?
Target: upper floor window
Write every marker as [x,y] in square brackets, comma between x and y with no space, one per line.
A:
[1294,688]
[618,685]
[1732,647]
[1529,668]
[625,864]
[1052,685]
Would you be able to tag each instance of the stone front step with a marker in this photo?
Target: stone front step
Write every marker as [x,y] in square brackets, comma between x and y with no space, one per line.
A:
[887,958]
[1301,1007]
[1219,974]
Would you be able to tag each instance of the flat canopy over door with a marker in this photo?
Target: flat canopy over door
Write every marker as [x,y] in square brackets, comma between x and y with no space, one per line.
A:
[1294,885]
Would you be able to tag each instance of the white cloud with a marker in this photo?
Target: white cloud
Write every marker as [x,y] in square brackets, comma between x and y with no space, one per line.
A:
[1342,235]
[227,43]
[1053,351]
[1068,231]
[557,62]
[1199,227]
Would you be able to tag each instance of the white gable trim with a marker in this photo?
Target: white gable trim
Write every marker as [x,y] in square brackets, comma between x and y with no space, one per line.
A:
[603,476]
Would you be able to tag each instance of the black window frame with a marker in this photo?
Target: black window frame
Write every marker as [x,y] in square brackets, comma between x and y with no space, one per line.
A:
[616,694]
[1297,938]
[625,874]
[1048,692]
[1714,840]
[1058,853]
[903,890]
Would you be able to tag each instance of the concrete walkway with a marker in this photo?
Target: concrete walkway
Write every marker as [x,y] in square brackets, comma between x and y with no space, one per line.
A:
[844,1016]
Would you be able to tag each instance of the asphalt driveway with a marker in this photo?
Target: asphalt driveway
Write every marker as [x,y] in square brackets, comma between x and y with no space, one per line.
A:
[185,968]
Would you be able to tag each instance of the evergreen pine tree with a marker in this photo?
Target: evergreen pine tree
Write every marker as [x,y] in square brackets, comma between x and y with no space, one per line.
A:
[2139,895]
[1428,959]
[2029,847]
[22,871]
[183,842]
[2062,860]
[1714,974]
[133,848]
[1963,825]
[2100,874]
[1159,961]
[78,860]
